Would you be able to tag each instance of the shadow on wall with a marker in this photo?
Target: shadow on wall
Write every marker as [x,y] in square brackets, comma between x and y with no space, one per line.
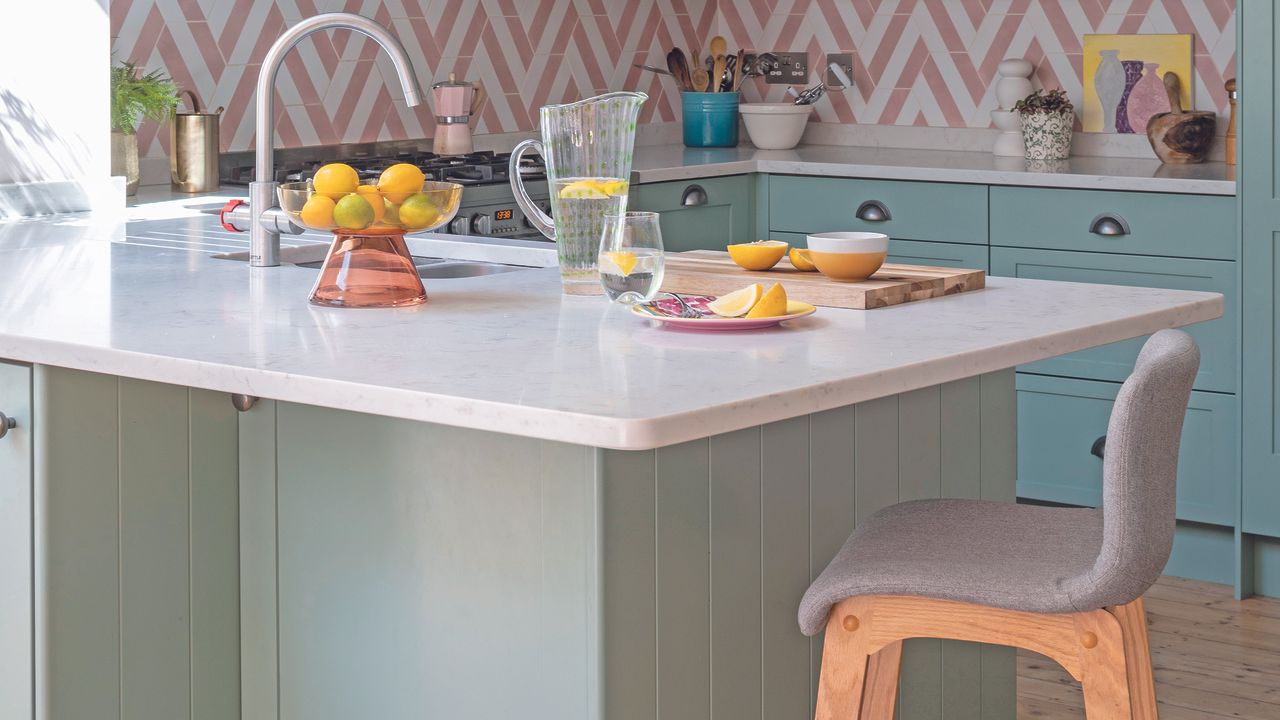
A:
[31,150]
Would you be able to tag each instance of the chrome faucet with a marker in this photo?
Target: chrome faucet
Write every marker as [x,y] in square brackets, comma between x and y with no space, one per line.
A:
[263,218]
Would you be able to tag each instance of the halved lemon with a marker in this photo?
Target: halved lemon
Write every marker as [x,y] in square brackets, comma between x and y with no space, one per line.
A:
[800,260]
[758,255]
[772,304]
[738,302]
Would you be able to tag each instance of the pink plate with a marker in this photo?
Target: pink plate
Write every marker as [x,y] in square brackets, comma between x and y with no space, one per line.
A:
[664,311]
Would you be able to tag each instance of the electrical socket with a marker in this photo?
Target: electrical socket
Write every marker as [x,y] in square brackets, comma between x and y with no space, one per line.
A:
[842,60]
[793,68]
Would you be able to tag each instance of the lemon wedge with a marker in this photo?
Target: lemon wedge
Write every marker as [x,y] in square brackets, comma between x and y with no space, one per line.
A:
[623,260]
[738,302]
[772,304]
[801,260]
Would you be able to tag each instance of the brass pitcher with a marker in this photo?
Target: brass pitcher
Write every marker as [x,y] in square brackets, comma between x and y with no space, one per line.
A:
[193,148]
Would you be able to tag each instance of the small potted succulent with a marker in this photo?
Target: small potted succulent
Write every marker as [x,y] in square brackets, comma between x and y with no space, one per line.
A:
[1047,120]
[135,96]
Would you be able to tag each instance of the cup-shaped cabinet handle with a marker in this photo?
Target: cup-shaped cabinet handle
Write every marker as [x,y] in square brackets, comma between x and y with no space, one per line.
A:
[1099,448]
[694,196]
[873,211]
[6,424]
[1108,225]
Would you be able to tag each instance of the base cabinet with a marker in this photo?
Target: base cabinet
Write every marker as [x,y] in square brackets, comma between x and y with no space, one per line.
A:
[17,582]
[703,214]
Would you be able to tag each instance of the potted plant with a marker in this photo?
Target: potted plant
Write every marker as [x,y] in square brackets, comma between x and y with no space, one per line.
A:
[1047,120]
[135,96]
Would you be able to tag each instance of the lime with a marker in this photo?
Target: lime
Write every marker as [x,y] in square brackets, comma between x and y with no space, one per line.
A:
[353,212]
[419,212]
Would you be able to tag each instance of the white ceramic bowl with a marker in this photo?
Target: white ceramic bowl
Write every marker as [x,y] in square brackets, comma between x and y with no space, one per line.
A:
[848,242]
[775,126]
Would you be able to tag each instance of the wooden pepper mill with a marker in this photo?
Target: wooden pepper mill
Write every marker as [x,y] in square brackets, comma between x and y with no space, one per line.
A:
[1232,97]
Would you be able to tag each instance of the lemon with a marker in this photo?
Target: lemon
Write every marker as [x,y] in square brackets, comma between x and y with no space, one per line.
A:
[612,187]
[318,212]
[353,212]
[370,193]
[623,260]
[758,255]
[800,260]
[400,181]
[583,190]
[336,180]
[419,212]
[738,302]
[772,304]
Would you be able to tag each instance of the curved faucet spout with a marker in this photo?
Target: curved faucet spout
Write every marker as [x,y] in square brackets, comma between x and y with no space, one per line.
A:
[265,139]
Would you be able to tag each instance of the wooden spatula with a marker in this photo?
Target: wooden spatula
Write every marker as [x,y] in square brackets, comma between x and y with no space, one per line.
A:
[679,67]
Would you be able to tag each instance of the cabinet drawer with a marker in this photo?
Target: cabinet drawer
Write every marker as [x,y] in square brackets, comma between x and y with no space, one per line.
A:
[703,214]
[913,252]
[1217,338]
[1059,419]
[939,212]
[1197,226]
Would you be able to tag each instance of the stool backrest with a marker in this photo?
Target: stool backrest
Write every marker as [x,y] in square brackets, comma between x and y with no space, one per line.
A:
[1139,473]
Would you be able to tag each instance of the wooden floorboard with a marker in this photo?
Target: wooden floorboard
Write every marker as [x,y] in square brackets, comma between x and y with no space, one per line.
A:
[1214,656]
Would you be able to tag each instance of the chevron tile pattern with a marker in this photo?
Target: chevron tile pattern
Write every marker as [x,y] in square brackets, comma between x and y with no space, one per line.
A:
[916,62]
[933,62]
[333,86]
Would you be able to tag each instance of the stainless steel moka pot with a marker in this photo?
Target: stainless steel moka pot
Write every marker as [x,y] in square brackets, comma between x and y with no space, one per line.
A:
[193,148]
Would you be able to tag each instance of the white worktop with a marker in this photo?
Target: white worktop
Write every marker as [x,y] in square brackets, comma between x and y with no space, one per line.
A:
[658,163]
[508,352]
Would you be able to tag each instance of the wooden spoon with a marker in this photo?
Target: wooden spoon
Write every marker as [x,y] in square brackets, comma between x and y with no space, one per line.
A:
[737,73]
[717,73]
[679,67]
[701,79]
[1177,136]
[718,46]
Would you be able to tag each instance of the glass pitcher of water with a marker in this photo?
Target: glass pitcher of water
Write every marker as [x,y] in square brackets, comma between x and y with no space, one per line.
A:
[586,146]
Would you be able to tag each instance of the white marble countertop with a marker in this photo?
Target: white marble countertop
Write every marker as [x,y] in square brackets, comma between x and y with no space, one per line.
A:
[658,163]
[508,352]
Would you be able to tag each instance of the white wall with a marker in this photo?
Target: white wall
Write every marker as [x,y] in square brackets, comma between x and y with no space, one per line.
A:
[54,98]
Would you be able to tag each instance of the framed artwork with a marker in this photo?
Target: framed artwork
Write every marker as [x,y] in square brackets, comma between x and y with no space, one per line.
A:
[1124,79]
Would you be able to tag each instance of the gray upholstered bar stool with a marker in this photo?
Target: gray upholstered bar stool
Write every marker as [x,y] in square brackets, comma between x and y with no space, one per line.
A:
[1063,582]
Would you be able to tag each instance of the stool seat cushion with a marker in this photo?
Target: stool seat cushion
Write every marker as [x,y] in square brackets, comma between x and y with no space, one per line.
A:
[1019,557]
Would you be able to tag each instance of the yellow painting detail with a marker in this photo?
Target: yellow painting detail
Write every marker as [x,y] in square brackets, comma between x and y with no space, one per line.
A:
[1123,79]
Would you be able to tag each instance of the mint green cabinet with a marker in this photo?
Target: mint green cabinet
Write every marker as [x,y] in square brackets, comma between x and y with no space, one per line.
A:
[937,212]
[1217,338]
[914,252]
[17,582]
[702,214]
[1060,419]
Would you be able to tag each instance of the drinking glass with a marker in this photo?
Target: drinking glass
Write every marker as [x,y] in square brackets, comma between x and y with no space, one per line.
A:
[630,258]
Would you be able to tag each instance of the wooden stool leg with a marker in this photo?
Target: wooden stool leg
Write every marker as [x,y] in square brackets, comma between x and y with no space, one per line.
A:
[881,692]
[1104,676]
[1137,657]
[844,661]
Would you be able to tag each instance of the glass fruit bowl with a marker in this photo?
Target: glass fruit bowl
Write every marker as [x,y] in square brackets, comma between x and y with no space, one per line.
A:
[369,211]
[368,265]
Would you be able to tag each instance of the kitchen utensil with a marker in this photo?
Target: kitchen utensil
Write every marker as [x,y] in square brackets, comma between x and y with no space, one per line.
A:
[455,102]
[194,147]
[586,147]
[651,69]
[659,311]
[726,83]
[711,272]
[370,266]
[1233,98]
[718,46]
[811,95]
[631,257]
[1178,136]
[775,126]
[717,73]
[686,310]
[678,64]
[737,71]
[848,256]
[701,79]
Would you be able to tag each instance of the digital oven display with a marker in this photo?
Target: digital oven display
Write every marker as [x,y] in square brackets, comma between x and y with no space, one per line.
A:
[504,214]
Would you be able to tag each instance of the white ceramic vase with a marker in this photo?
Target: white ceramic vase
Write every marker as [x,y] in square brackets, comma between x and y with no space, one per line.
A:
[1047,135]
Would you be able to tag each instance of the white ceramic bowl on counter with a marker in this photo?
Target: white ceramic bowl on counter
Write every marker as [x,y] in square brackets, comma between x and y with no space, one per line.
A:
[775,126]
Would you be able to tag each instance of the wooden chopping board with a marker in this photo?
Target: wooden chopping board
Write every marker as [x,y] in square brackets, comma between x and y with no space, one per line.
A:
[713,273]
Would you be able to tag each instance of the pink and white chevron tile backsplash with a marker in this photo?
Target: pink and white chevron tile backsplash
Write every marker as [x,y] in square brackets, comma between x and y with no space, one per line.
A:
[917,62]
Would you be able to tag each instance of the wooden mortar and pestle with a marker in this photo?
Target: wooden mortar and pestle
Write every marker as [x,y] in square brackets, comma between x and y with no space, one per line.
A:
[1177,136]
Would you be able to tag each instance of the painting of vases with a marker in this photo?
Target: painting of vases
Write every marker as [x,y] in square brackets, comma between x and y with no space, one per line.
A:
[1123,75]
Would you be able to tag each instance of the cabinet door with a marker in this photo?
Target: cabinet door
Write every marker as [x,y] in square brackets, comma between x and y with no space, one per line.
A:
[702,214]
[1059,420]
[913,252]
[16,639]
[1217,338]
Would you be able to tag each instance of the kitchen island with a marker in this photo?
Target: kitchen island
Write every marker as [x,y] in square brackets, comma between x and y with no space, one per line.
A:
[505,502]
